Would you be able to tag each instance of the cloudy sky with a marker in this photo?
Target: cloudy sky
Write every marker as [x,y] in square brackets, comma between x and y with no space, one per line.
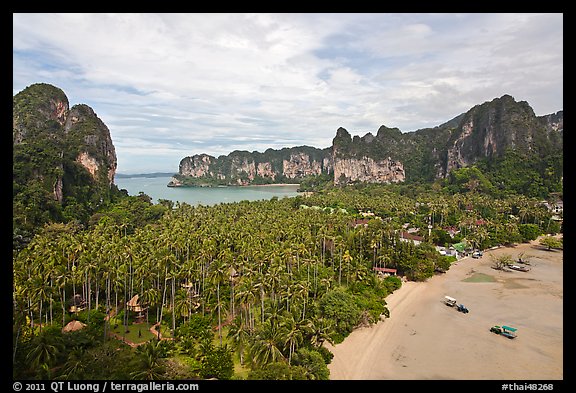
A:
[174,85]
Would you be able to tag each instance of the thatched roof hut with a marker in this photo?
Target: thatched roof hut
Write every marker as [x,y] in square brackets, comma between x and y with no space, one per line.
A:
[133,305]
[73,326]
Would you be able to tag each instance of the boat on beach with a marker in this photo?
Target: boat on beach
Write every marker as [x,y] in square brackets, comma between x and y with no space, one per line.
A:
[519,268]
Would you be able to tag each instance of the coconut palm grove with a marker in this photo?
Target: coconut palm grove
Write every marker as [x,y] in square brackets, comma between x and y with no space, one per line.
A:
[245,290]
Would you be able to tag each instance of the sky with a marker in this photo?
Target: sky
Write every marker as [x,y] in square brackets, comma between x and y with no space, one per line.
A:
[170,86]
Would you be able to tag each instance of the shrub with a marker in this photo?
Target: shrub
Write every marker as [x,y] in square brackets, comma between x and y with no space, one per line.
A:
[340,307]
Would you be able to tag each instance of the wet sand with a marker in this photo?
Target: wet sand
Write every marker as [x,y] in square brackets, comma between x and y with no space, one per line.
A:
[424,339]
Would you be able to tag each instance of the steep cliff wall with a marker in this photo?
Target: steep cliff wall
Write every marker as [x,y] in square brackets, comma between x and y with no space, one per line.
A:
[68,152]
[366,169]
[486,131]
[95,150]
[242,168]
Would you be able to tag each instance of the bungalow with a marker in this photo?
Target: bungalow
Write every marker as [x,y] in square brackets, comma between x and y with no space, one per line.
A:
[73,326]
[407,237]
[360,222]
[77,304]
[384,271]
[460,249]
[134,305]
[452,231]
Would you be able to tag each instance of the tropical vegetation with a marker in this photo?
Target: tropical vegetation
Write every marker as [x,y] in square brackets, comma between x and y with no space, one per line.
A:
[247,290]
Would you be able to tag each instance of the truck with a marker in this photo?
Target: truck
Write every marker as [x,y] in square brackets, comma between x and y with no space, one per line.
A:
[450,301]
[506,331]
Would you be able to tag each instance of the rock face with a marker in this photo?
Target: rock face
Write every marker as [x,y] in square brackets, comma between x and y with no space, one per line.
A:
[299,165]
[366,169]
[487,130]
[354,161]
[197,166]
[288,165]
[68,151]
[96,150]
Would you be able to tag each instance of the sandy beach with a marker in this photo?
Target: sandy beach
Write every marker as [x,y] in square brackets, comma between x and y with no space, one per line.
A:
[424,339]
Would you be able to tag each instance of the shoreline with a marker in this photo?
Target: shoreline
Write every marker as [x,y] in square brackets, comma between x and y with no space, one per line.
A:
[174,185]
[271,185]
[425,339]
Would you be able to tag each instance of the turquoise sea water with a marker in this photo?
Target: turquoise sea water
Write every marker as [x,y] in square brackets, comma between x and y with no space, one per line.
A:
[156,189]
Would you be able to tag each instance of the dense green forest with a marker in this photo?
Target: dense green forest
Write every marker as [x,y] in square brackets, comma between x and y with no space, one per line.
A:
[246,290]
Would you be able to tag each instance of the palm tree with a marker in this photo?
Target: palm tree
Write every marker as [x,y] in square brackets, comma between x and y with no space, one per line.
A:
[347,258]
[75,366]
[218,276]
[40,293]
[183,305]
[62,278]
[239,333]
[374,245]
[247,295]
[319,331]
[266,344]
[148,362]
[294,334]
[44,350]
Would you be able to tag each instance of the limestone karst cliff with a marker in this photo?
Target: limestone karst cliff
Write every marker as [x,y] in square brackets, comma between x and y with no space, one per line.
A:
[64,160]
[287,165]
[486,131]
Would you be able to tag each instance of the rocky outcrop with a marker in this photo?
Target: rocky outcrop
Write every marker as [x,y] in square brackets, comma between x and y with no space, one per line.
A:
[553,122]
[288,165]
[366,169]
[36,107]
[300,165]
[196,166]
[489,129]
[359,160]
[485,131]
[68,152]
[264,170]
[96,151]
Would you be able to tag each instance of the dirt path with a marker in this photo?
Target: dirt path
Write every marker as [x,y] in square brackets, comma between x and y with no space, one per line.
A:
[425,339]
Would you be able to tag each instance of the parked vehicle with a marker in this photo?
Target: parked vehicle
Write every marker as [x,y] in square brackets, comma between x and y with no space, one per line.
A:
[504,330]
[450,301]
[519,268]
[477,254]
[462,308]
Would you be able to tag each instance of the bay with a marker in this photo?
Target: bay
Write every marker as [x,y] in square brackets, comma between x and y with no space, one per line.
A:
[156,188]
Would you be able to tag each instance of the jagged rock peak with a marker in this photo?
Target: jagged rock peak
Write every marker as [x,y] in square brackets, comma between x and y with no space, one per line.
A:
[384,131]
[343,133]
[36,105]
[41,115]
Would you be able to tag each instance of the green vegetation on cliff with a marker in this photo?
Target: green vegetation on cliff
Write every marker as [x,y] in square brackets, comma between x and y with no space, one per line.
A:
[63,161]
[516,150]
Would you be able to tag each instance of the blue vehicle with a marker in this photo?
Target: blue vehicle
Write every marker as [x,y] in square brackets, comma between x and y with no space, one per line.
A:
[505,331]
[462,308]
